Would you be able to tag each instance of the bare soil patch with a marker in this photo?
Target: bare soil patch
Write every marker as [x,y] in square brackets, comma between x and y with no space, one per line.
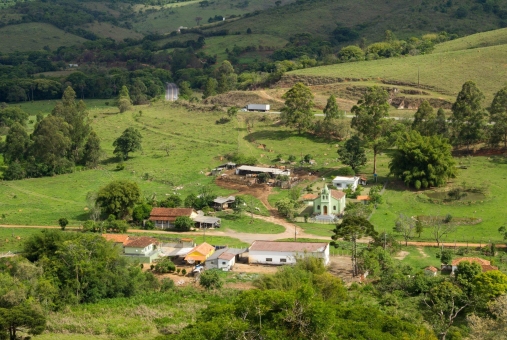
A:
[401,255]
[421,251]
[341,266]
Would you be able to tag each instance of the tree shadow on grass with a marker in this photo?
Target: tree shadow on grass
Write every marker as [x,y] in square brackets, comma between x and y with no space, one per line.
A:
[282,135]
[499,159]
[110,160]
[82,217]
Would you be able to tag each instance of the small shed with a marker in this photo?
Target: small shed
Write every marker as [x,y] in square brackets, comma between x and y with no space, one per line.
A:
[430,271]
[224,258]
[202,221]
[363,199]
[221,203]
[485,264]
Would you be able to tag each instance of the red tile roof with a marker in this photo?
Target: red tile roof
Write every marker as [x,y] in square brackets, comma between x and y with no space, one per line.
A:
[169,214]
[116,238]
[141,242]
[309,197]
[363,198]
[488,267]
[480,261]
[337,194]
[288,246]
[431,268]
[226,256]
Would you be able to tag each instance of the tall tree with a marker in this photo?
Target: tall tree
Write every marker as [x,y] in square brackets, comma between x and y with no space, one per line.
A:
[422,161]
[424,119]
[351,229]
[298,105]
[91,153]
[370,120]
[441,124]
[405,225]
[16,144]
[76,116]
[210,88]
[124,103]
[498,116]
[118,198]
[10,115]
[468,116]
[352,153]
[129,141]
[227,78]
[331,111]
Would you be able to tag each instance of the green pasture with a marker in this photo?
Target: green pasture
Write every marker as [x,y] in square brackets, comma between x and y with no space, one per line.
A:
[245,224]
[319,229]
[108,30]
[484,172]
[445,71]
[11,239]
[34,36]
[479,40]
[169,17]
[218,45]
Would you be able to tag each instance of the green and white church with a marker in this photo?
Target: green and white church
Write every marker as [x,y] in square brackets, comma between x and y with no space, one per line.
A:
[329,205]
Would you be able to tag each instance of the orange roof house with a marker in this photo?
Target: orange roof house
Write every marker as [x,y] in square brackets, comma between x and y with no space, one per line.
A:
[485,264]
[200,253]
[116,238]
[164,217]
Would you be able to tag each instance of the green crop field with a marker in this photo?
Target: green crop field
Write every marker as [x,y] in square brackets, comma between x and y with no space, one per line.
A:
[479,40]
[34,36]
[445,71]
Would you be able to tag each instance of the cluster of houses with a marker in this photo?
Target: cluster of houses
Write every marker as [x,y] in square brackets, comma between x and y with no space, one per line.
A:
[147,249]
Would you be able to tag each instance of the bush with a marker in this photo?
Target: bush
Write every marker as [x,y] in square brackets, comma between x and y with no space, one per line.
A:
[210,279]
[183,272]
[164,266]
[183,223]
[120,167]
[346,171]
[63,222]
[166,284]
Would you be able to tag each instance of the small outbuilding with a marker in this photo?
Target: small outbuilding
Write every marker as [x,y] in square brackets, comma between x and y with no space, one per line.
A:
[202,221]
[119,239]
[342,182]
[430,271]
[255,170]
[224,258]
[221,203]
[485,264]
[280,253]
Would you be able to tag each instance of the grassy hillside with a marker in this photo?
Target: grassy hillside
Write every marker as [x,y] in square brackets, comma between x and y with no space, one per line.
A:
[479,40]
[369,18]
[445,71]
[34,36]
[107,30]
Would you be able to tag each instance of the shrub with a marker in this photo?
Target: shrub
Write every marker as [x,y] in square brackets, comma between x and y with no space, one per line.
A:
[166,284]
[210,279]
[183,223]
[164,266]
[63,222]
[346,171]
[178,270]
[183,272]
[120,167]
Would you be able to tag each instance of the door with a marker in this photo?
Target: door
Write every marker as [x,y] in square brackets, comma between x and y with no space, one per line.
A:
[325,210]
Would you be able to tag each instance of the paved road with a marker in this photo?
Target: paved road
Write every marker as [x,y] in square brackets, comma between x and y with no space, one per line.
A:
[171,91]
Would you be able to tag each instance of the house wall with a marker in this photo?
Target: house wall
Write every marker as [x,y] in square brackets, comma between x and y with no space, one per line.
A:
[342,185]
[138,251]
[163,224]
[217,263]
[289,257]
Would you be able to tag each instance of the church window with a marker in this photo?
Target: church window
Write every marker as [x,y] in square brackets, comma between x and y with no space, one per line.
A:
[334,207]
[318,207]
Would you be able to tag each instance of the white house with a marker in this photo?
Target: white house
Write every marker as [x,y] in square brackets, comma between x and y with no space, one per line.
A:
[279,253]
[143,249]
[341,182]
[223,259]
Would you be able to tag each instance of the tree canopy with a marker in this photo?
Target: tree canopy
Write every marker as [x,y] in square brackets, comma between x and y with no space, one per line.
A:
[297,110]
[422,161]
[118,198]
[129,141]
[352,153]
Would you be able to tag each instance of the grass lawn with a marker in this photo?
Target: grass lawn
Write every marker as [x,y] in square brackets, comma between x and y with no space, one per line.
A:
[34,36]
[11,239]
[245,224]
[319,229]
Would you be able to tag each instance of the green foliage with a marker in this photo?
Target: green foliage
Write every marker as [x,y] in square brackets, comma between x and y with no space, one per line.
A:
[183,223]
[351,53]
[375,196]
[21,318]
[16,144]
[118,198]
[10,115]
[129,141]
[124,103]
[468,116]
[92,151]
[62,222]
[490,285]
[445,256]
[424,119]
[172,201]
[424,160]
[210,279]
[297,110]
[352,153]
[164,266]
[286,207]
[331,111]
[498,116]
[405,225]
[141,212]
[370,120]
[352,228]
[210,88]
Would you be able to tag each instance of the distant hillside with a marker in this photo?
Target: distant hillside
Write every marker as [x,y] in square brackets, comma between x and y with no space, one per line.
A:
[34,36]
[371,18]
[491,38]
[444,71]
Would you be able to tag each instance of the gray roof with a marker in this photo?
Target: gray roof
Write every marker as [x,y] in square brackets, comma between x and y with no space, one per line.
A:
[222,200]
[274,171]
[279,246]
[233,251]
[207,219]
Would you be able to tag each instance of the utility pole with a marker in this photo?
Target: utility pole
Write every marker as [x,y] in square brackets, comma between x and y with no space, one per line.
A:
[295,233]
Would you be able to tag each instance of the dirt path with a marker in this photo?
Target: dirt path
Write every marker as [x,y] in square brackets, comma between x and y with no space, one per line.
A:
[421,251]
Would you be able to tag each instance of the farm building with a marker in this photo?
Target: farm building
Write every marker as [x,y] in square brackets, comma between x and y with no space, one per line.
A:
[279,253]
[255,170]
[221,203]
[309,198]
[363,199]
[200,253]
[142,249]
[119,239]
[329,205]
[202,221]
[485,264]
[430,271]
[342,183]
[224,258]
[178,248]
[164,217]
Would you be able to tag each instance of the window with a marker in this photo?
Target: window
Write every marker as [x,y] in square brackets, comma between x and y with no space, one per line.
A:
[224,262]
[334,207]
[269,259]
[283,260]
[318,207]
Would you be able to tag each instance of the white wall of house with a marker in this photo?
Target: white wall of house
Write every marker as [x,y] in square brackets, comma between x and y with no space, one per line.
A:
[280,258]
[343,183]
[138,251]
[222,264]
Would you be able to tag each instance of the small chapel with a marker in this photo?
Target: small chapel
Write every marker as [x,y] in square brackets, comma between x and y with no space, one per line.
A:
[329,205]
